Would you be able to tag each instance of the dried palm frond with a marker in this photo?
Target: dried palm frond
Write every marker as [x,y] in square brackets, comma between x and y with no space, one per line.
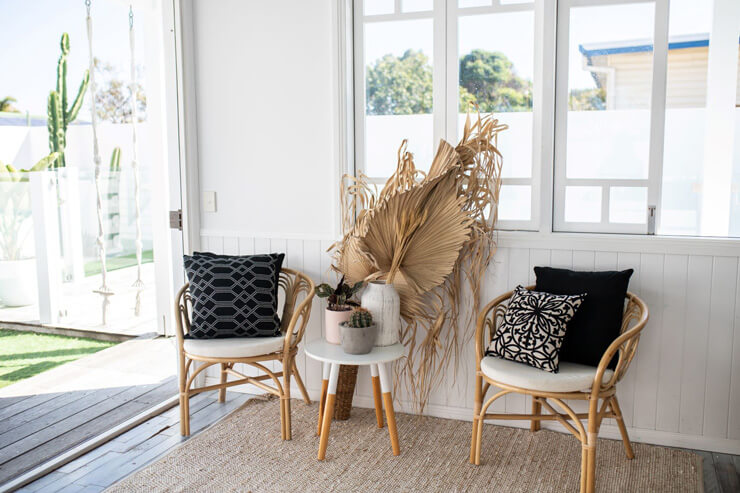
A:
[430,235]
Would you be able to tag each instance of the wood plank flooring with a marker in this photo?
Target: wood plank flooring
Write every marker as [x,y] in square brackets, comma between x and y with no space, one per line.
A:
[35,428]
[104,466]
[109,463]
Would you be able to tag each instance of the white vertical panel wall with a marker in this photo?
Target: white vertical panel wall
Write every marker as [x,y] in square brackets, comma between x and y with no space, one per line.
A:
[266,101]
[682,389]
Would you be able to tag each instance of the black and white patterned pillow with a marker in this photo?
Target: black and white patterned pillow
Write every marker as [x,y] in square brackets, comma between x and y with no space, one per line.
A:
[234,296]
[533,328]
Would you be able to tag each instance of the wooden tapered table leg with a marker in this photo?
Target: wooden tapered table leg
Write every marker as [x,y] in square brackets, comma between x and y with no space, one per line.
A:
[328,409]
[385,386]
[376,394]
[322,400]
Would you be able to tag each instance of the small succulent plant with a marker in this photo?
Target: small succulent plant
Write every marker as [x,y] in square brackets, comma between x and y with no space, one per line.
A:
[339,298]
[360,318]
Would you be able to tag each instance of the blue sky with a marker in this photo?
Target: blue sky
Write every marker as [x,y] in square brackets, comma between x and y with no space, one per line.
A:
[29,44]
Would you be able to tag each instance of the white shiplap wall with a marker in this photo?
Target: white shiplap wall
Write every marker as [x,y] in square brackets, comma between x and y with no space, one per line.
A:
[683,388]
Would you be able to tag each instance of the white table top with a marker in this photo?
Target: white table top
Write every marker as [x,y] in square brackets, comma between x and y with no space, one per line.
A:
[333,353]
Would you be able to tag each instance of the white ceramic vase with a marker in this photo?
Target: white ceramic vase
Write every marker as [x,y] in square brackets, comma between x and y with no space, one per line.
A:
[383,302]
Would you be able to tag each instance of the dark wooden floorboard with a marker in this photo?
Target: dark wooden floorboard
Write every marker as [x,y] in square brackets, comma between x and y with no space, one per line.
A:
[136,448]
[38,440]
[727,475]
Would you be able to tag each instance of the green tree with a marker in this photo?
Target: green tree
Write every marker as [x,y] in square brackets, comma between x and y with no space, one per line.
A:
[399,85]
[6,105]
[489,76]
[587,99]
[113,97]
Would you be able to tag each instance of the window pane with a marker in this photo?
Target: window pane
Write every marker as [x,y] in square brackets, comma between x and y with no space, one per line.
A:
[417,5]
[701,171]
[515,203]
[628,205]
[497,74]
[583,204]
[379,7]
[609,89]
[398,93]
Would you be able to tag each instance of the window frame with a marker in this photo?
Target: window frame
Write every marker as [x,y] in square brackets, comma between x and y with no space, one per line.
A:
[547,120]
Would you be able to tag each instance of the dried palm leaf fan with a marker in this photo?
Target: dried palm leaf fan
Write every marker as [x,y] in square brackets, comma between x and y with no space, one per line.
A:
[427,234]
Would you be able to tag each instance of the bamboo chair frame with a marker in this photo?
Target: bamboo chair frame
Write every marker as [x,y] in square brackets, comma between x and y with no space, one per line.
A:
[634,319]
[295,315]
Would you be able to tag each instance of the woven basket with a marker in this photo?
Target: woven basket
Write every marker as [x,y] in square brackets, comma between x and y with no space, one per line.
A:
[345,391]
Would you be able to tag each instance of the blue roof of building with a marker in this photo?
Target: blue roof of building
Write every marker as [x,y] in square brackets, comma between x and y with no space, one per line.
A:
[641,45]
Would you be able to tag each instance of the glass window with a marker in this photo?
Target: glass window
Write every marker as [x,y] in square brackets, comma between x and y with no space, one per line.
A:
[398,93]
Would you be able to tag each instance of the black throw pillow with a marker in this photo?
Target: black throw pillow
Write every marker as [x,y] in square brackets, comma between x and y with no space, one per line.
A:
[234,296]
[599,319]
[533,328]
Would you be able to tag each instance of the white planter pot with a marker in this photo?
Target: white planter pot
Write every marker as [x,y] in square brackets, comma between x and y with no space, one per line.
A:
[18,286]
[383,302]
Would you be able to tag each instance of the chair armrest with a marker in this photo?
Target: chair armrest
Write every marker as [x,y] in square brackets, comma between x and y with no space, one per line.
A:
[302,313]
[625,345]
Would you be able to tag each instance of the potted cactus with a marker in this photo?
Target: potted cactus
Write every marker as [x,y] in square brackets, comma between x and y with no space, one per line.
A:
[339,306]
[359,332]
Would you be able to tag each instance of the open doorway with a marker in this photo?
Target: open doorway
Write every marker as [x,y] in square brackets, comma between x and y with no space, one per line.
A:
[85,250]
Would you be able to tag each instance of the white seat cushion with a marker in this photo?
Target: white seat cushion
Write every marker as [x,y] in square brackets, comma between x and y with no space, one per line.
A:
[234,347]
[571,377]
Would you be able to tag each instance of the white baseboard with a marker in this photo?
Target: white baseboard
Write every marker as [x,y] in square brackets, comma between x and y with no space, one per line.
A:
[655,437]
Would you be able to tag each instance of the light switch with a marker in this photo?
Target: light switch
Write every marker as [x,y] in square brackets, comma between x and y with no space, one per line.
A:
[209,201]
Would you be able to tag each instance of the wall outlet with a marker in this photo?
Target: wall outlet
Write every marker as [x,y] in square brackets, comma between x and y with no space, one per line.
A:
[209,201]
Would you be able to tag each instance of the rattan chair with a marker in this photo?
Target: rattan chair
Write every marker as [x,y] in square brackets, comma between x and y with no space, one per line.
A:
[571,382]
[296,294]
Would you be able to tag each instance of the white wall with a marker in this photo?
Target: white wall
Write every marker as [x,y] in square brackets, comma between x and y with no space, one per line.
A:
[264,94]
[684,386]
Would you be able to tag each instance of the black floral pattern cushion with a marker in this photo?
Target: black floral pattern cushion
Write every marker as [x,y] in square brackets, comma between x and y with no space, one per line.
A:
[533,328]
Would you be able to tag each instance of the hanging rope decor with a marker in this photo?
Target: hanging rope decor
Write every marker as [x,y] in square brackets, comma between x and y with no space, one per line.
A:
[103,290]
[138,284]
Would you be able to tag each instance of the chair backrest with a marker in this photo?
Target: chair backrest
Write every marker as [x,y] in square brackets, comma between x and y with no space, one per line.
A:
[295,295]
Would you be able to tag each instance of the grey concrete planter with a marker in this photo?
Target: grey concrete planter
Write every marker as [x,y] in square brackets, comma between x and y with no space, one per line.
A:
[358,340]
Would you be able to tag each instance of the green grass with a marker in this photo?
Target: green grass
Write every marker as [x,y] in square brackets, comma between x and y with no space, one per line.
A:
[25,354]
[114,263]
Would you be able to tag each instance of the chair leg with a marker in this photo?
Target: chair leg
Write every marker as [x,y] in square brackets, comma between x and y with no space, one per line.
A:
[184,398]
[477,403]
[536,410]
[286,400]
[591,439]
[622,428]
[224,375]
[299,382]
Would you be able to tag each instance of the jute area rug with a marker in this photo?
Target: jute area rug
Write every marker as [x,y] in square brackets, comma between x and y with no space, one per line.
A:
[244,452]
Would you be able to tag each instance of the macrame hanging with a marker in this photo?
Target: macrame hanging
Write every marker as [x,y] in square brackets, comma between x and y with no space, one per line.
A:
[138,284]
[103,290]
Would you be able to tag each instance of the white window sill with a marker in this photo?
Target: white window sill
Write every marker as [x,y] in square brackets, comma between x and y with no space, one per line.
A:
[679,245]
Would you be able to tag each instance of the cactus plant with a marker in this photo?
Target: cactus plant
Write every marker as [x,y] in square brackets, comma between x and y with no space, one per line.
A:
[59,115]
[360,318]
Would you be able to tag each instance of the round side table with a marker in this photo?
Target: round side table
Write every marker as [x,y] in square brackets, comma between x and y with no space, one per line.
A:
[331,356]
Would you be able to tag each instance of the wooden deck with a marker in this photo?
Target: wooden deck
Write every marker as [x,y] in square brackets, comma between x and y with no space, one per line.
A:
[104,466]
[56,410]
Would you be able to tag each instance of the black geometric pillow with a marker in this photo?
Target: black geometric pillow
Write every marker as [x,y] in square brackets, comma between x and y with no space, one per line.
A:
[533,328]
[234,296]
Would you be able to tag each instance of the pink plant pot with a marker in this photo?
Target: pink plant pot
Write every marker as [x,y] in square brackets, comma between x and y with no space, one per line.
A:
[332,319]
